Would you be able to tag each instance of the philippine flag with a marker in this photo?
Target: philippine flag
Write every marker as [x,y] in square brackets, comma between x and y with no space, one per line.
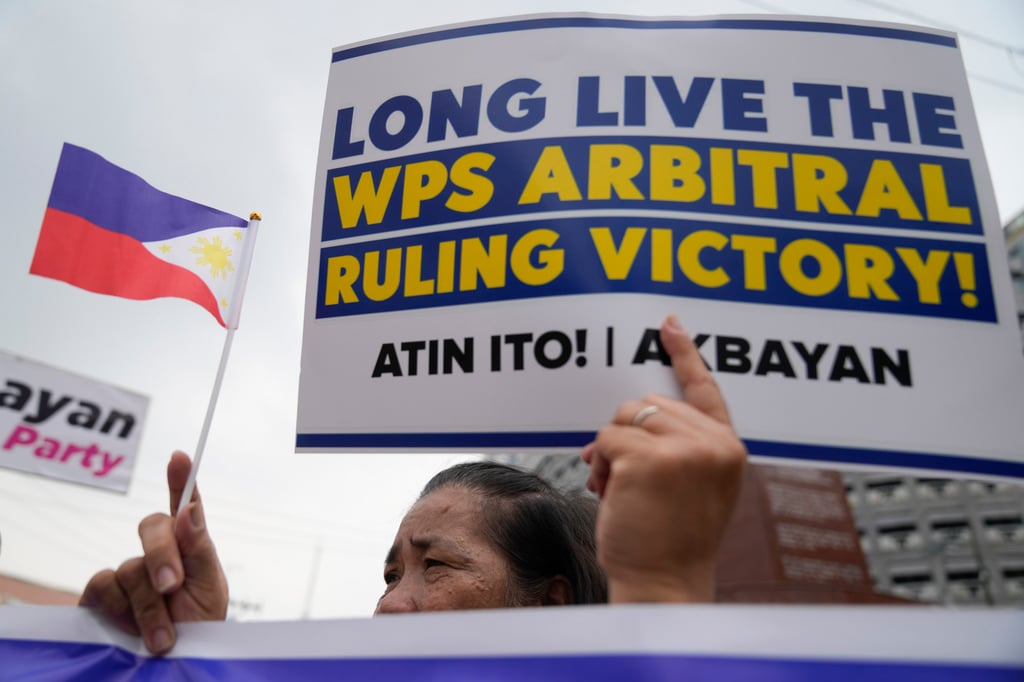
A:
[109,231]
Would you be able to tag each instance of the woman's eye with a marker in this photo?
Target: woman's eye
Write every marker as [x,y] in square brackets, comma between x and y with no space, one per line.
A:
[390,577]
[431,563]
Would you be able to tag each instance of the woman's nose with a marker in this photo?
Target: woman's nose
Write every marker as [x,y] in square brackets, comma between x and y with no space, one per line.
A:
[399,600]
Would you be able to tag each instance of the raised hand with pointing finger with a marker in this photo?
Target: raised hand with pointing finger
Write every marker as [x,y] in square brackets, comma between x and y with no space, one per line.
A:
[178,578]
[668,473]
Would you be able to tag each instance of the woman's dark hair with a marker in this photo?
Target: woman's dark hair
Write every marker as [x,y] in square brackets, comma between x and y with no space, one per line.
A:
[544,532]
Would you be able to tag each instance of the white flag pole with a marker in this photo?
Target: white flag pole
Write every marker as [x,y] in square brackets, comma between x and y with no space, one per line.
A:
[234,312]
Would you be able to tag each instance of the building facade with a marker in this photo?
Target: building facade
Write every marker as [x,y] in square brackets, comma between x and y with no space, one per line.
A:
[804,535]
[792,538]
[940,540]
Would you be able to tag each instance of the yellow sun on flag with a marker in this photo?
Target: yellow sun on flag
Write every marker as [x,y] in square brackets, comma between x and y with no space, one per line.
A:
[215,255]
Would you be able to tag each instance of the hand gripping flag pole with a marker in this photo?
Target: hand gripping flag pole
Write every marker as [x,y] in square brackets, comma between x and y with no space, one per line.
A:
[231,323]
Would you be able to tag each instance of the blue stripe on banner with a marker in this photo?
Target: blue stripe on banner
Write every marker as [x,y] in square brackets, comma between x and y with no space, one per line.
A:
[685,258]
[666,166]
[595,22]
[577,439]
[61,661]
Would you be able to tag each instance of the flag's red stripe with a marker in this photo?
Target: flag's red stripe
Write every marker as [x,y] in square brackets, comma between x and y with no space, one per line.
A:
[76,251]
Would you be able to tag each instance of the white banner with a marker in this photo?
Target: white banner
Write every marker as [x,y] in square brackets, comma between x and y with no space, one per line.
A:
[594,643]
[61,425]
[505,211]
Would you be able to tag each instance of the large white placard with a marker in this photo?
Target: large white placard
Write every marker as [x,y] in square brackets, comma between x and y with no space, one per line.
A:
[598,643]
[62,425]
[504,212]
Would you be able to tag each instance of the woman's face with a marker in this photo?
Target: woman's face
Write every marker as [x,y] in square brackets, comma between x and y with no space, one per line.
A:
[442,558]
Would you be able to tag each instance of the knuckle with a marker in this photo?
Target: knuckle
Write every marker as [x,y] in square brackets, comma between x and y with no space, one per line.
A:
[131,572]
[703,379]
[132,578]
[102,580]
[152,521]
[625,411]
[100,585]
[150,612]
[603,434]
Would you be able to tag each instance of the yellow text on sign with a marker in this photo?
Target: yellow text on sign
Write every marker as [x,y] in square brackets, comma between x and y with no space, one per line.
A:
[680,174]
[456,265]
[808,266]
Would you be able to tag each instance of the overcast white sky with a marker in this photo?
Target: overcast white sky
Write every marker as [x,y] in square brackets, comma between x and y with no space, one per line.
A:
[221,102]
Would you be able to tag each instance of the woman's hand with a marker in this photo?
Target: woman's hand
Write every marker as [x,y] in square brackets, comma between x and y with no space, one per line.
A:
[668,473]
[178,578]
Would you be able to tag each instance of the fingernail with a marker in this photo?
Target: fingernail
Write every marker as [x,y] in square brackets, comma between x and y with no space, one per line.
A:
[160,640]
[165,579]
[196,517]
[672,322]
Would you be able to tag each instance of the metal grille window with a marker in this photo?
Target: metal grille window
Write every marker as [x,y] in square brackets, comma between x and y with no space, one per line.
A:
[919,586]
[951,533]
[1004,528]
[899,536]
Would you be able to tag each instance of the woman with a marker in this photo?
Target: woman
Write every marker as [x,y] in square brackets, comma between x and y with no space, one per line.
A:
[484,535]
[667,473]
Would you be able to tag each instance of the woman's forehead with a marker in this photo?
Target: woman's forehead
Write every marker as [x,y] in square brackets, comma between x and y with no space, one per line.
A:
[448,518]
[448,504]
[450,510]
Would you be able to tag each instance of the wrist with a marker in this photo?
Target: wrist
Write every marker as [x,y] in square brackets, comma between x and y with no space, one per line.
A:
[693,587]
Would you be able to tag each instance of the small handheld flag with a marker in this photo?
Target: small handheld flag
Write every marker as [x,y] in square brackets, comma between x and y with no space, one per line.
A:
[109,231]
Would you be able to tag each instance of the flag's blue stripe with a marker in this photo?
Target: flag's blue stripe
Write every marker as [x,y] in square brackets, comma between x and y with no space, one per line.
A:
[110,197]
[560,439]
[60,661]
[594,22]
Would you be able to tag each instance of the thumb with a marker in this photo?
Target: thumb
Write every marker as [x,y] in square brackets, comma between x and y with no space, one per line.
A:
[699,388]
[190,529]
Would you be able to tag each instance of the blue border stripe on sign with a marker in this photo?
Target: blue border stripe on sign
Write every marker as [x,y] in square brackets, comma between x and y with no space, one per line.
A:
[524,439]
[561,439]
[897,458]
[594,22]
[67,660]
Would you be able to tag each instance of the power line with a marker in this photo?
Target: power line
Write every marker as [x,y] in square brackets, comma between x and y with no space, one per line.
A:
[977,37]
[1012,51]
[997,83]
[229,519]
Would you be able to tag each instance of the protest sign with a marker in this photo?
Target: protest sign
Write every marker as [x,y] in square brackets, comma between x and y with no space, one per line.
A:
[505,211]
[594,643]
[61,425]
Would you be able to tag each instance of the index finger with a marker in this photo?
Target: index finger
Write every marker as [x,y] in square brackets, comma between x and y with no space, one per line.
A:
[161,553]
[699,388]
[178,470]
